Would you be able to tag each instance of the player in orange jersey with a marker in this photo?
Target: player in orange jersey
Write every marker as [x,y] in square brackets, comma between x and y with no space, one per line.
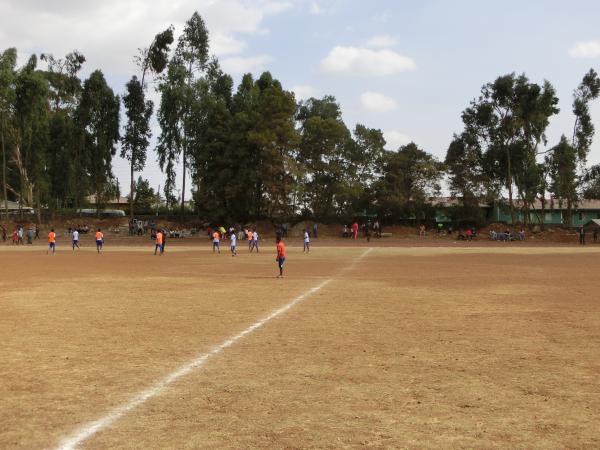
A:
[249,236]
[51,241]
[280,256]
[159,242]
[99,240]
[216,242]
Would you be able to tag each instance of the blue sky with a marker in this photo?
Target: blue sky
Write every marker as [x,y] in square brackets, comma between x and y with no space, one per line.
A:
[406,67]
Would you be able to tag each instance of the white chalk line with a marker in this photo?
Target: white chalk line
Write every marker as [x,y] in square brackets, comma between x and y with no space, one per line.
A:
[91,428]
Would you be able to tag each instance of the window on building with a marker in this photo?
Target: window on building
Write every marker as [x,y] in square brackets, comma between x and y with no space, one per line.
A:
[580,216]
[548,217]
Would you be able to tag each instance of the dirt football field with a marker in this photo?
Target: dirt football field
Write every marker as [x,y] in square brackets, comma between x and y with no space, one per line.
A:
[358,346]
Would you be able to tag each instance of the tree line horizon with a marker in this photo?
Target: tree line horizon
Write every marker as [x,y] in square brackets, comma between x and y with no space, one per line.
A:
[257,153]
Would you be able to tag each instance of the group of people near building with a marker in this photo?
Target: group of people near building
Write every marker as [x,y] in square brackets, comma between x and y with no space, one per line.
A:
[19,235]
[507,235]
[368,229]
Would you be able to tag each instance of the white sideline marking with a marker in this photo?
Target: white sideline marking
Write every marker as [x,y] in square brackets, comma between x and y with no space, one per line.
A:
[91,428]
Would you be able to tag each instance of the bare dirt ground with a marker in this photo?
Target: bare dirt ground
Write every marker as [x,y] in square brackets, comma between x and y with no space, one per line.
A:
[409,347]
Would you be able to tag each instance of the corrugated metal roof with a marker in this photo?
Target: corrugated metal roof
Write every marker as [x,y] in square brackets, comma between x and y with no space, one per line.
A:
[14,206]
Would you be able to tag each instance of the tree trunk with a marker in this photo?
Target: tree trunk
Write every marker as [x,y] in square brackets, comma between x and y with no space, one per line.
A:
[509,186]
[38,209]
[543,200]
[26,184]
[4,171]
[131,192]
[78,171]
[183,183]
[132,184]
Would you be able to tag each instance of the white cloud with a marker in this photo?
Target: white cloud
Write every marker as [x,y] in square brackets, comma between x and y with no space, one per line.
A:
[242,64]
[365,62]
[395,139]
[376,102]
[304,91]
[382,41]
[588,49]
[226,44]
[109,33]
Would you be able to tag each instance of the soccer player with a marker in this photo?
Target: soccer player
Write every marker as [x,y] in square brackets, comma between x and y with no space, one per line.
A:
[306,242]
[158,242]
[75,239]
[216,242]
[233,238]
[99,240]
[280,256]
[254,241]
[51,241]
[164,240]
[249,237]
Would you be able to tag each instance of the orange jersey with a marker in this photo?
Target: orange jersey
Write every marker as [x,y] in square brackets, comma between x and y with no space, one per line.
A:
[99,236]
[52,237]
[280,249]
[215,236]
[249,235]
[159,238]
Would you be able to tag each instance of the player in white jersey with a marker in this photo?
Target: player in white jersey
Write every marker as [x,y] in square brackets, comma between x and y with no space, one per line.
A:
[75,239]
[254,241]
[233,239]
[306,242]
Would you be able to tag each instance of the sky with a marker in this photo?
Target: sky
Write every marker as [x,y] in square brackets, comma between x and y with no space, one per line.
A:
[406,67]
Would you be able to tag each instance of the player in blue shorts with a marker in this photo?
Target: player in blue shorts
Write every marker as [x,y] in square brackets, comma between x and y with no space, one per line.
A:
[75,239]
[99,240]
[51,241]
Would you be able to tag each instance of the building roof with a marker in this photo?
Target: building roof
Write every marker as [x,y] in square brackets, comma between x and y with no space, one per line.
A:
[594,223]
[554,204]
[447,202]
[14,206]
[91,199]
[551,203]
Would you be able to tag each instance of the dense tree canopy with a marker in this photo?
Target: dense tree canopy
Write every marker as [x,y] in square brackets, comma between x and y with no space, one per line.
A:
[255,152]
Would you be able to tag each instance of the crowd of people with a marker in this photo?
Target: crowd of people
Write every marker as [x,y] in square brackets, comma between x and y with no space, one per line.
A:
[19,234]
[507,235]
[368,229]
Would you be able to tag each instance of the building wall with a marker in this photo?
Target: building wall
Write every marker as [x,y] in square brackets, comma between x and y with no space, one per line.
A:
[551,217]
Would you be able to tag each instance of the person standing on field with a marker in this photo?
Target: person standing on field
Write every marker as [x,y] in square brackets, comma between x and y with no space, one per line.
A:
[164,240]
[99,240]
[216,241]
[254,241]
[51,242]
[75,239]
[158,243]
[233,239]
[306,242]
[581,235]
[249,238]
[355,230]
[280,256]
